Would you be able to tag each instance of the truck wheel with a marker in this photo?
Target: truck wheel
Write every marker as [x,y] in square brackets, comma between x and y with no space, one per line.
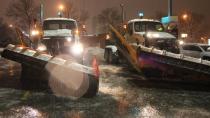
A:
[110,58]
[93,86]
[113,59]
[106,55]
[206,58]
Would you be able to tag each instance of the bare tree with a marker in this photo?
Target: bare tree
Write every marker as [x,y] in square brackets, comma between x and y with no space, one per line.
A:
[8,35]
[70,9]
[23,12]
[109,16]
[194,26]
[72,12]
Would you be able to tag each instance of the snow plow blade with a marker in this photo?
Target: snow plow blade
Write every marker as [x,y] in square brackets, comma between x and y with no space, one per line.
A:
[162,65]
[64,77]
[173,67]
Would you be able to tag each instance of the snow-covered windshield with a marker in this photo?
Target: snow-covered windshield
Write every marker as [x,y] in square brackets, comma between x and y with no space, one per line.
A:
[148,26]
[59,24]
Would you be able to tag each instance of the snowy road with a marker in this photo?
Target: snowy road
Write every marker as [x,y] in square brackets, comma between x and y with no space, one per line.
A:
[122,94]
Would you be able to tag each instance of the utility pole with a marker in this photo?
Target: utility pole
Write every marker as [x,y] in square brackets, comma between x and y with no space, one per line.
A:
[123,13]
[170,8]
[42,11]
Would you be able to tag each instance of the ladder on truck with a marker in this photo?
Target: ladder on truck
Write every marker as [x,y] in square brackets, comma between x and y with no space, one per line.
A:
[147,60]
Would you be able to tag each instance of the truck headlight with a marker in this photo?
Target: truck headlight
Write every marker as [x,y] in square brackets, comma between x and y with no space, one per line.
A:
[35,32]
[41,48]
[153,35]
[181,42]
[69,39]
[77,49]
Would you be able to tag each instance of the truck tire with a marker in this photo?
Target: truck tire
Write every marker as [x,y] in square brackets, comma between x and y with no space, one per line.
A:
[110,58]
[56,48]
[106,55]
[53,47]
[206,58]
[93,86]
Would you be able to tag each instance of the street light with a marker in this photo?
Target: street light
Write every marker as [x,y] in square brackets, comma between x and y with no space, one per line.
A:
[61,10]
[10,25]
[185,16]
[61,7]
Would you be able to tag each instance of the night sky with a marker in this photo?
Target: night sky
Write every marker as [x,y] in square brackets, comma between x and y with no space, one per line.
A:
[132,7]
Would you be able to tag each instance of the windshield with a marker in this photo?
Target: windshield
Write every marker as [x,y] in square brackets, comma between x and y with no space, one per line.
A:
[148,26]
[59,24]
[205,48]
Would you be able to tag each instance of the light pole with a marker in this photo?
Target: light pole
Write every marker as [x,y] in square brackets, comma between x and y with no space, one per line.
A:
[170,8]
[123,13]
[42,11]
[186,24]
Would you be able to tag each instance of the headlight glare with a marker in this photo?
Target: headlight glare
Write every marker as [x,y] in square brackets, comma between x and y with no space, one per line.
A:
[77,49]
[41,48]
[35,32]
[69,39]
[153,35]
[181,42]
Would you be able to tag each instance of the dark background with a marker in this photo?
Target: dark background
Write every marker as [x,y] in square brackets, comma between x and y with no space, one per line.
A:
[132,7]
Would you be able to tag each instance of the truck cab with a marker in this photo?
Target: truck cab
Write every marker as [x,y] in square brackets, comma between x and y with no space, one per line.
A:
[61,35]
[143,32]
[150,33]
